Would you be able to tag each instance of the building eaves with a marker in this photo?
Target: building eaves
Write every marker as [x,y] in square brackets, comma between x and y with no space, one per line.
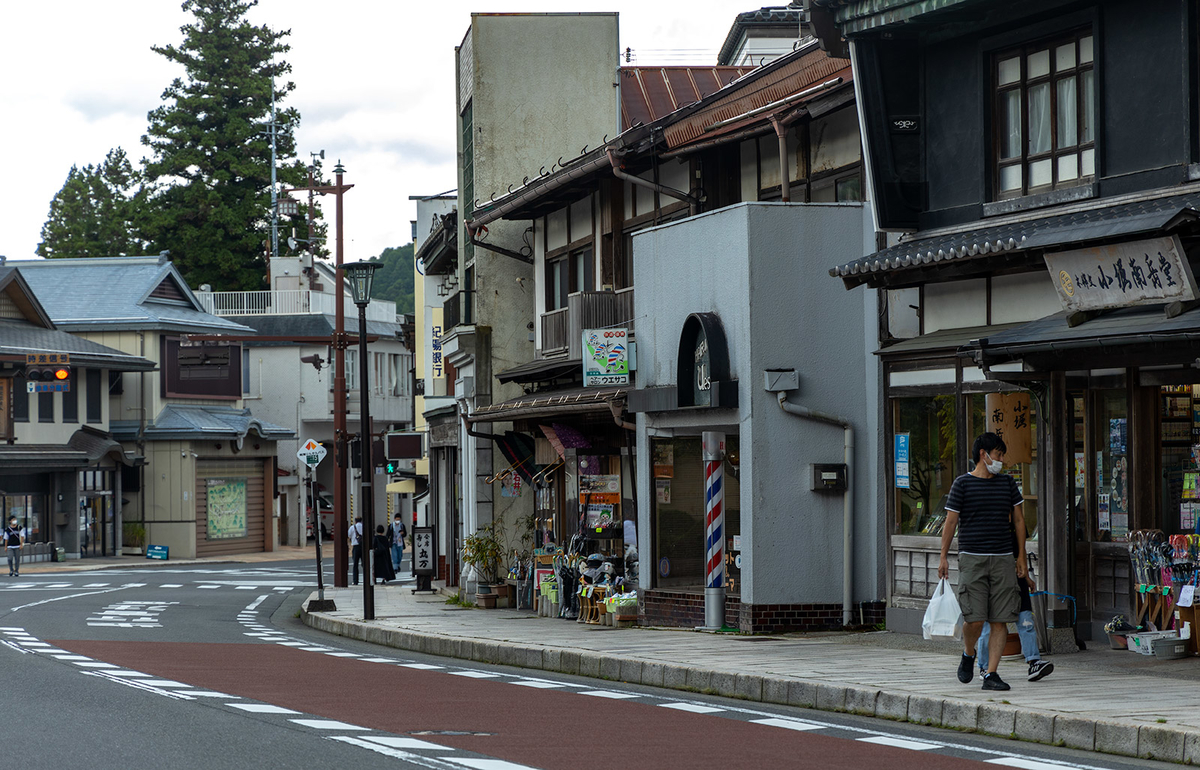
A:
[857,16]
[190,421]
[771,17]
[20,338]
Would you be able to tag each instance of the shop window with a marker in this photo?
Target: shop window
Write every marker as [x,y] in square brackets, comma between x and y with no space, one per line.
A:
[1044,115]
[1013,417]
[929,424]
[678,515]
[1111,442]
[1180,456]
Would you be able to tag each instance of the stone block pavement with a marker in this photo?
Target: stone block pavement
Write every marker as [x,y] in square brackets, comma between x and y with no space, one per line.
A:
[1102,700]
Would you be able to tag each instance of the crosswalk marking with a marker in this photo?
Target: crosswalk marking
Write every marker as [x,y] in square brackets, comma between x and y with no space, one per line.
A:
[261,708]
[396,742]
[421,666]
[326,724]
[610,694]
[694,708]
[788,724]
[899,743]
[475,674]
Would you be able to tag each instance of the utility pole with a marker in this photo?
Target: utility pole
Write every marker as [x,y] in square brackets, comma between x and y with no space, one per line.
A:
[340,524]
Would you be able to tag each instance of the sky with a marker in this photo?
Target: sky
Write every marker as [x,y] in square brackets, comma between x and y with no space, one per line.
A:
[374,88]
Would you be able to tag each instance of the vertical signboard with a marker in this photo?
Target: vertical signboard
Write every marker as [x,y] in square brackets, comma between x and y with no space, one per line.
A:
[424,556]
[1008,415]
[437,367]
[605,357]
[903,479]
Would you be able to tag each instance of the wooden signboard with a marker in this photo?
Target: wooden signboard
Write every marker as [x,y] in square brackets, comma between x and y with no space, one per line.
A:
[1009,416]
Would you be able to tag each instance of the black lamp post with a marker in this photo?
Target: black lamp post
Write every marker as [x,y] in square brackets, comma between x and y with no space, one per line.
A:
[360,275]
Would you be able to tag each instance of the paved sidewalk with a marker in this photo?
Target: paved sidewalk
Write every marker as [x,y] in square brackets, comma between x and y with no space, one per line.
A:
[281,553]
[1110,701]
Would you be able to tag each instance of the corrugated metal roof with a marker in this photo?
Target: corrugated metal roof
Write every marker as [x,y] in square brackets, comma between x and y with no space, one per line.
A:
[649,93]
[791,77]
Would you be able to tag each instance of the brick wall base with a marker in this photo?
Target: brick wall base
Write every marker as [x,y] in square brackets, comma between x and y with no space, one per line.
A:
[685,609]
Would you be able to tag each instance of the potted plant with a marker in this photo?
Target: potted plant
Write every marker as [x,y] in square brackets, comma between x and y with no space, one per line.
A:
[133,537]
[482,551]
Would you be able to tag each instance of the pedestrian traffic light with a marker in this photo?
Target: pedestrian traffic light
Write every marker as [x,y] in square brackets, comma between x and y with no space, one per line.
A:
[391,467]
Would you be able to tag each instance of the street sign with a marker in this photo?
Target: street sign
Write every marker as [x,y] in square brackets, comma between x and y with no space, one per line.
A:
[159,552]
[311,453]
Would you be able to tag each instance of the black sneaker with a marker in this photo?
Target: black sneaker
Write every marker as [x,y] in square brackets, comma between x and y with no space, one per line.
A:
[1039,669]
[994,682]
[966,668]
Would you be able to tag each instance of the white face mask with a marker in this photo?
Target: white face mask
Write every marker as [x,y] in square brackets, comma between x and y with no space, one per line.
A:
[994,466]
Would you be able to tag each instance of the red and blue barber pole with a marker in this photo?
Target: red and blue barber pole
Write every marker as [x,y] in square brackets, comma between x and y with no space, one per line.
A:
[713,455]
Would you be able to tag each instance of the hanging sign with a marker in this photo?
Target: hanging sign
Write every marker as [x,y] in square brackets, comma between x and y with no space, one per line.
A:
[605,357]
[1008,416]
[437,366]
[903,479]
[1150,272]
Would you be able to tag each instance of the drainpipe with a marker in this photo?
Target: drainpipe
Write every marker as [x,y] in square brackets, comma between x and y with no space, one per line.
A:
[847,498]
[781,133]
[619,173]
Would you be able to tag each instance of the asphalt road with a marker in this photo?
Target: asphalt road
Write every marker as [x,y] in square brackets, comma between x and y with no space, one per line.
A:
[182,667]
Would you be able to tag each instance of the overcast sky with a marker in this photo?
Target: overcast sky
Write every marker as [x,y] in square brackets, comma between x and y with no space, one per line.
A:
[374,87]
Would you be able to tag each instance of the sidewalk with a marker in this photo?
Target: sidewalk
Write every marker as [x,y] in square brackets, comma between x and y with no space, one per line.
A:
[281,553]
[1117,702]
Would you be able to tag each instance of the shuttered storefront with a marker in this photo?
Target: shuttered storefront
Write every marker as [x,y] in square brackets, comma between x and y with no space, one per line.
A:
[230,507]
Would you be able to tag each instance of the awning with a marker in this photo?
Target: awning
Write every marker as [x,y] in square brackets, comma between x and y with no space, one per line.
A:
[439,252]
[977,247]
[1143,333]
[559,402]
[402,487]
[947,340]
[542,370]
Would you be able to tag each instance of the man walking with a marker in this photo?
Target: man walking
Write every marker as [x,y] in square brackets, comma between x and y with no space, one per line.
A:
[396,534]
[13,540]
[985,507]
[356,545]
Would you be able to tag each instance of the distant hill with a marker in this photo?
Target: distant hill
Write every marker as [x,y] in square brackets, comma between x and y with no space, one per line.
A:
[394,280]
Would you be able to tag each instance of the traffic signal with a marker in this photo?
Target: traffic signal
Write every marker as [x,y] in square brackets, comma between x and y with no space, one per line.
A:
[392,467]
[48,373]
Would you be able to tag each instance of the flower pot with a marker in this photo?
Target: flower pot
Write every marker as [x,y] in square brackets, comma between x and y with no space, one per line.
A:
[1118,642]
[1013,645]
[485,601]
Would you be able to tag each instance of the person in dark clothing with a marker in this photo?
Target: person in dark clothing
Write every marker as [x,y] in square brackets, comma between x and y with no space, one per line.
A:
[381,549]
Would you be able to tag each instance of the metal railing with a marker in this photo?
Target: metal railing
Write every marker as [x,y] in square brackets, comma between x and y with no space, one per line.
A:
[459,309]
[289,302]
[562,329]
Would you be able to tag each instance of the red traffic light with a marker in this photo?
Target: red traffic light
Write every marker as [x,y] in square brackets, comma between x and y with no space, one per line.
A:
[48,373]
[62,373]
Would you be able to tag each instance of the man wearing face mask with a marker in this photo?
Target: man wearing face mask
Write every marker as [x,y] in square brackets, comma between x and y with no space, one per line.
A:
[985,507]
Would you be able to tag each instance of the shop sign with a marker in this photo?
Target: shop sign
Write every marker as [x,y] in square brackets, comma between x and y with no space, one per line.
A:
[437,367]
[903,479]
[703,376]
[443,434]
[424,555]
[1008,416]
[1150,272]
[605,357]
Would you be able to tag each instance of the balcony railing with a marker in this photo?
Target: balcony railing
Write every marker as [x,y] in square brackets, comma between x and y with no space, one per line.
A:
[289,302]
[459,310]
[562,329]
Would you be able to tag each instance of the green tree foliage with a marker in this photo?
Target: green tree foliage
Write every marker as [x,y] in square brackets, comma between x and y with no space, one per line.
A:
[208,176]
[93,214]
[394,280]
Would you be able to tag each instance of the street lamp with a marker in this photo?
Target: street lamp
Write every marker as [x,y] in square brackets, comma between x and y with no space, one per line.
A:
[360,275]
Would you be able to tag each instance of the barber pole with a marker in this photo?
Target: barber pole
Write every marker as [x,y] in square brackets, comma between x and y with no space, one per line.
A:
[713,452]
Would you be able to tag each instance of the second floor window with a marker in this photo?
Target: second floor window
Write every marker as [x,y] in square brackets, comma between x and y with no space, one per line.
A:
[1045,116]
[567,274]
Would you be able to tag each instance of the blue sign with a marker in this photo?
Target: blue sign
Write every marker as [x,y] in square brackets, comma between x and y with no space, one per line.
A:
[902,471]
[157,552]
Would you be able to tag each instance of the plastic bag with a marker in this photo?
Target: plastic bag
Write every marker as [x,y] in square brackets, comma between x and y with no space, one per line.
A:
[943,618]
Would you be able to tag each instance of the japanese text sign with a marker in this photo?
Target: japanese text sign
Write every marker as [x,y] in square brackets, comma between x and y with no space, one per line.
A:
[605,357]
[1150,272]
[1008,416]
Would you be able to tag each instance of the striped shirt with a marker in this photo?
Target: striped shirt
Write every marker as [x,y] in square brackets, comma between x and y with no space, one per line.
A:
[984,508]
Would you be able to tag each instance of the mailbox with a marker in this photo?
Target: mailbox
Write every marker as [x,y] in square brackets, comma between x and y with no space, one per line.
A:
[828,477]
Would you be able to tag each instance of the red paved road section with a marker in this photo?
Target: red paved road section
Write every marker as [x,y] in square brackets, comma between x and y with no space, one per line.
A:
[550,729]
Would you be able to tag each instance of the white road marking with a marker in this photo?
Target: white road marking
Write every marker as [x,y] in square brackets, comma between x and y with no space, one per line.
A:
[208,586]
[900,743]
[1028,764]
[475,674]
[93,664]
[326,724]
[387,751]
[694,708]
[538,685]
[72,657]
[10,628]
[610,694]
[315,649]
[788,724]
[96,585]
[421,666]
[36,644]
[209,694]
[171,585]
[396,742]
[343,654]
[261,708]
[75,596]
[293,644]
[364,660]
[130,674]
[166,683]
[488,764]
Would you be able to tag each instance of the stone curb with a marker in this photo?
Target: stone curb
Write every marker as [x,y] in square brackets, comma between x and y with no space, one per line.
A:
[1000,719]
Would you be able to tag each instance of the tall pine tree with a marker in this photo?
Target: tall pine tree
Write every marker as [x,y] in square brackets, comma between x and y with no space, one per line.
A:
[209,173]
[93,214]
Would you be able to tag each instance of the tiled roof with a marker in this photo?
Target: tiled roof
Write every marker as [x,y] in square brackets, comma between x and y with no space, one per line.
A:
[184,421]
[314,325]
[114,293]
[982,240]
[20,338]
[777,16]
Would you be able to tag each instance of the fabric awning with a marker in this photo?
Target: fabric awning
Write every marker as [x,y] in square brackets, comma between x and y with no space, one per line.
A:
[402,487]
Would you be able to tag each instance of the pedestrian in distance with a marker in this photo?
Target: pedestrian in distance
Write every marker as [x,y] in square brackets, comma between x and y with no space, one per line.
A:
[382,564]
[396,534]
[13,540]
[356,546]
[984,505]
[1038,668]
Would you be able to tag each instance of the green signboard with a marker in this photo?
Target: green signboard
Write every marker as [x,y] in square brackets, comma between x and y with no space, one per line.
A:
[226,508]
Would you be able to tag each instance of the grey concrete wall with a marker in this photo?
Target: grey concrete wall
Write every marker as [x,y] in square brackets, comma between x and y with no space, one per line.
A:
[762,267]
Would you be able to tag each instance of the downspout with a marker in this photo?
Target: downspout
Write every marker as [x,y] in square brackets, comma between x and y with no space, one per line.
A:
[847,498]
[785,182]
[630,440]
[619,173]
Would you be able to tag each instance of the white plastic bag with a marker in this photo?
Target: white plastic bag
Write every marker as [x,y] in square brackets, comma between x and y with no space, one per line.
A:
[943,618]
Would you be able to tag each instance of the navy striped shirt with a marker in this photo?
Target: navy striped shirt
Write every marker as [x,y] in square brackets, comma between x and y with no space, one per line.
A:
[984,509]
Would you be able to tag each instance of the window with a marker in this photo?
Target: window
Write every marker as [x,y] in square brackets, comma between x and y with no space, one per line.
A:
[20,399]
[92,378]
[378,373]
[351,367]
[568,273]
[245,371]
[395,374]
[45,407]
[70,398]
[1045,115]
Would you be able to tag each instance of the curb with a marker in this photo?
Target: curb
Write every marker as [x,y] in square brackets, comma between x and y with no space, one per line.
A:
[1143,741]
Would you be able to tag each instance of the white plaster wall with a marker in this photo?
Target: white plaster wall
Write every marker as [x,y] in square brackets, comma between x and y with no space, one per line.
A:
[1023,297]
[955,304]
